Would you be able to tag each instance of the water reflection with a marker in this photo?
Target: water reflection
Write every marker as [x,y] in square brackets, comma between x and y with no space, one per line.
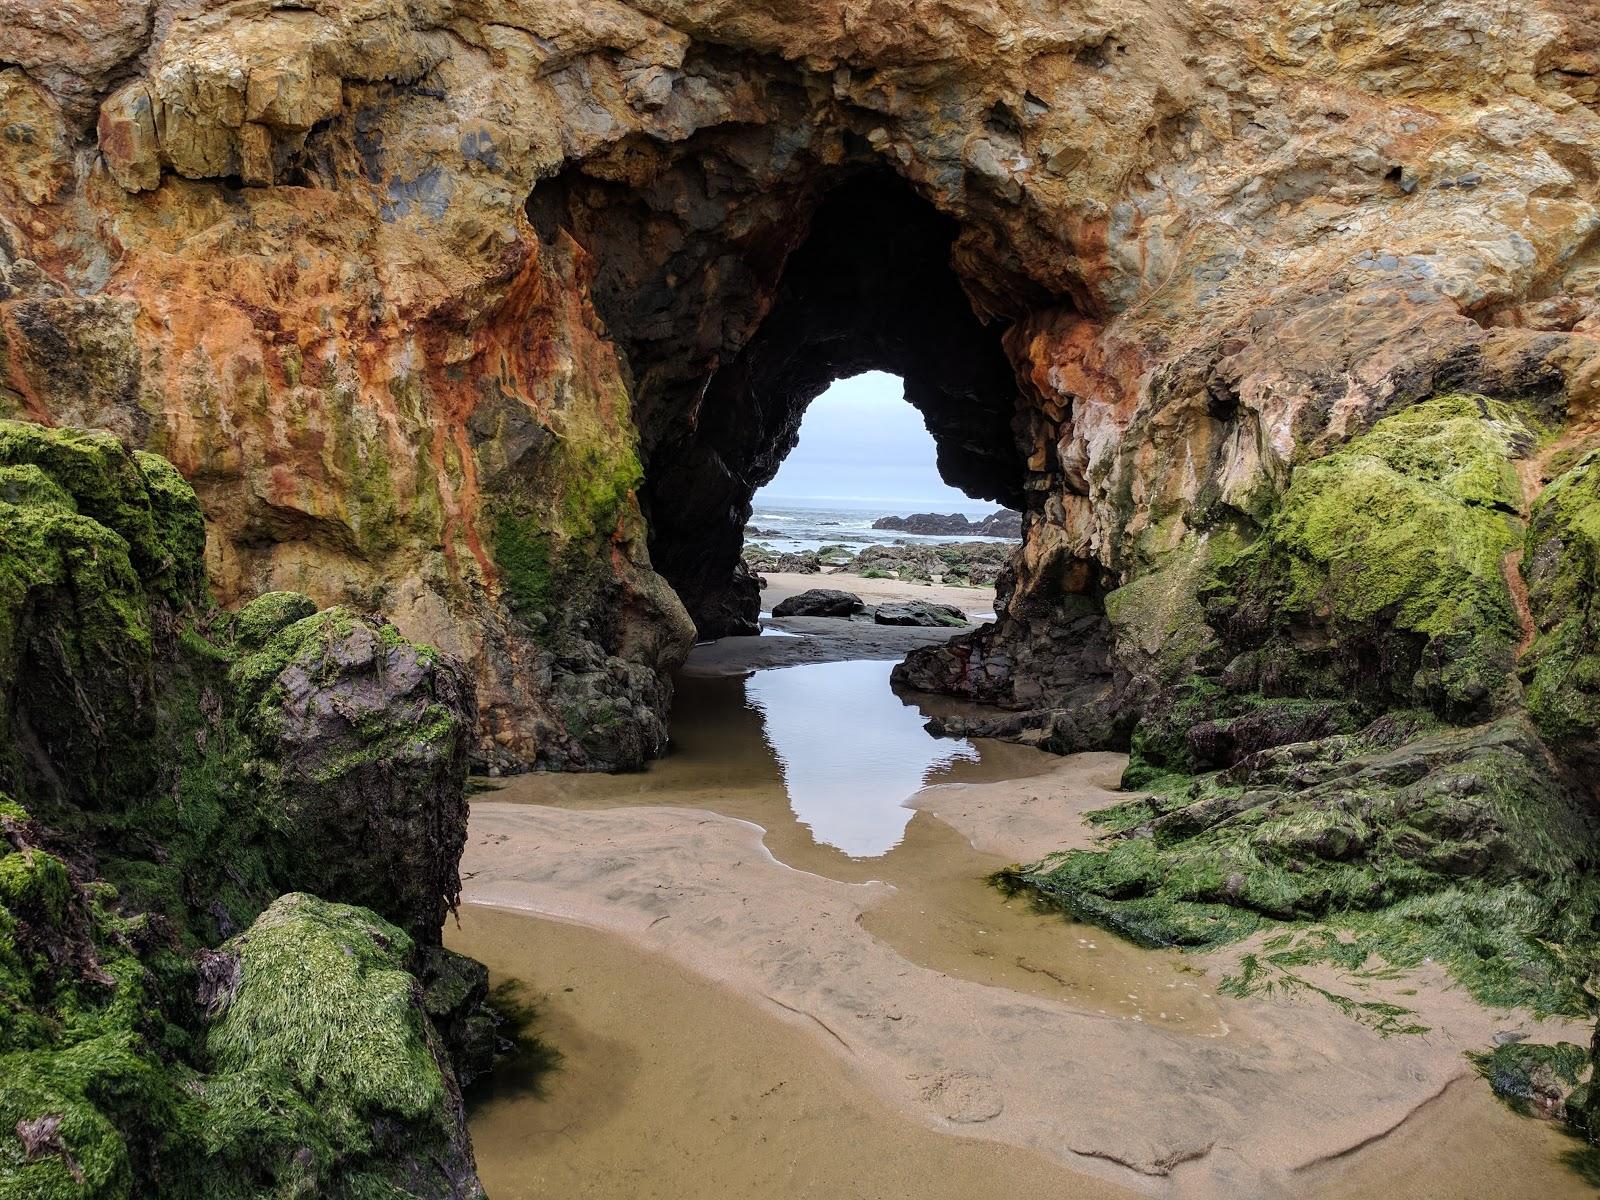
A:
[849,749]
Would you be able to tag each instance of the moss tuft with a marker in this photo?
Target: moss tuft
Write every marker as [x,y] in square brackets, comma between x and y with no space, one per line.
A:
[268,614]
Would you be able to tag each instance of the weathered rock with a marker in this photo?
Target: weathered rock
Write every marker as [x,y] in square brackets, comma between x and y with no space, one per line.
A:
[920,612]
[820,602]
[361,740]
[326,1076]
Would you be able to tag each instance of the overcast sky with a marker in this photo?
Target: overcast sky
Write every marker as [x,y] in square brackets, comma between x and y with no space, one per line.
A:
[861,441]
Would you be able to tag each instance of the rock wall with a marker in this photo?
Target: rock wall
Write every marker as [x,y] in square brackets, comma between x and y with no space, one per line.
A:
[421,297]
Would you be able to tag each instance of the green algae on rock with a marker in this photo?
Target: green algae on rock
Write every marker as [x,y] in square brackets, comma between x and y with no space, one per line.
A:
[1343,764]
[359,744]
[325,1075]
[1561,671]
[177,769]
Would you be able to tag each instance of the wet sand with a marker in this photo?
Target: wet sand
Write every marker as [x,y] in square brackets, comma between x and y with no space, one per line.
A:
[952,1012]
[674,1087]
[976,602]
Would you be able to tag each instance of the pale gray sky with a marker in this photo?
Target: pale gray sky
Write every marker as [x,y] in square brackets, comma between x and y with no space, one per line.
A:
[861,441]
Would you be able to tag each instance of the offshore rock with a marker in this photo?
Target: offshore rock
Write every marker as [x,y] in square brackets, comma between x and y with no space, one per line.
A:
[1004,523]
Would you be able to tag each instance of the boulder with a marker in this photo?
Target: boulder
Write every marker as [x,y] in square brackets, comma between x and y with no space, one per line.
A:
[328,1078]
[920,612]
[820,602]
[361,737]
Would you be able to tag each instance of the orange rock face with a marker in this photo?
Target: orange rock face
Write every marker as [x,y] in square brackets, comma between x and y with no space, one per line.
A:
[423,297]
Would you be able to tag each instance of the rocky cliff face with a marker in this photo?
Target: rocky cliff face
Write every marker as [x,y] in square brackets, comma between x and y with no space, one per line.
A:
[483,312]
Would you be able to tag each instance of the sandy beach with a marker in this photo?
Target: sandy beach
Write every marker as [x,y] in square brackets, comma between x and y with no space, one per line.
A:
[884,966]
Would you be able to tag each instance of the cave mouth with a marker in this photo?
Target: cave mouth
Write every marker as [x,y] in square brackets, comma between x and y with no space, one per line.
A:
[869,287]
[863,450]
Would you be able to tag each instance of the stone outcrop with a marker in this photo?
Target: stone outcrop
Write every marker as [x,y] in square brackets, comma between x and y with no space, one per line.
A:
[1002,523]
[166,772]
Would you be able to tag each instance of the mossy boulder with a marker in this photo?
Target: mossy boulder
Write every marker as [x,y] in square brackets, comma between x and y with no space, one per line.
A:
[326,1077]
[98,550]
[255,624]
[1561,563]
[359,742]
[1379,576]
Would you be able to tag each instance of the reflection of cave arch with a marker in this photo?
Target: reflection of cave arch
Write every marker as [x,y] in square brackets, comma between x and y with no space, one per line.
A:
[868,286]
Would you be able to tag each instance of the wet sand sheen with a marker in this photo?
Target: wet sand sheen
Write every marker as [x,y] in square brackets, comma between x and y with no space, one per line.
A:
[673,1087]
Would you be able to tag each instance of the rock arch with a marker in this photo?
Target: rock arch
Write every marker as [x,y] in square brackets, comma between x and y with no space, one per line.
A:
[293,249]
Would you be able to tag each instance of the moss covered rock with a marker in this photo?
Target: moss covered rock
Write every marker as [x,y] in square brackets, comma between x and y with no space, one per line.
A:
[1404,841]
[97,550]
[1561,671]
[359,741]
[90,1097]
[1377,583]
[1380,574]
[325,1075]
[256,623]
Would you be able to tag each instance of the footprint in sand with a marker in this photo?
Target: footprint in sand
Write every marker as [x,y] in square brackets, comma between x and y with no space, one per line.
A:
[963,1097]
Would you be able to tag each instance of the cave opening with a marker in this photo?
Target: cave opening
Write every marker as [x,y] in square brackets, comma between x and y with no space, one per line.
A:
[862,448]
[868,288]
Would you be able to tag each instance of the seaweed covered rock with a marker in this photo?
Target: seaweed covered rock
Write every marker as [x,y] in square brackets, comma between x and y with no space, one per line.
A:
[90,1099]
[360,739]
[1535,1080]
[1407,840]
[326,1077]
[1561,671]
[99,549]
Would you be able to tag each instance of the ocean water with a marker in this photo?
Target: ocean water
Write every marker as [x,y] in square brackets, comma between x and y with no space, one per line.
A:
[795,525]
